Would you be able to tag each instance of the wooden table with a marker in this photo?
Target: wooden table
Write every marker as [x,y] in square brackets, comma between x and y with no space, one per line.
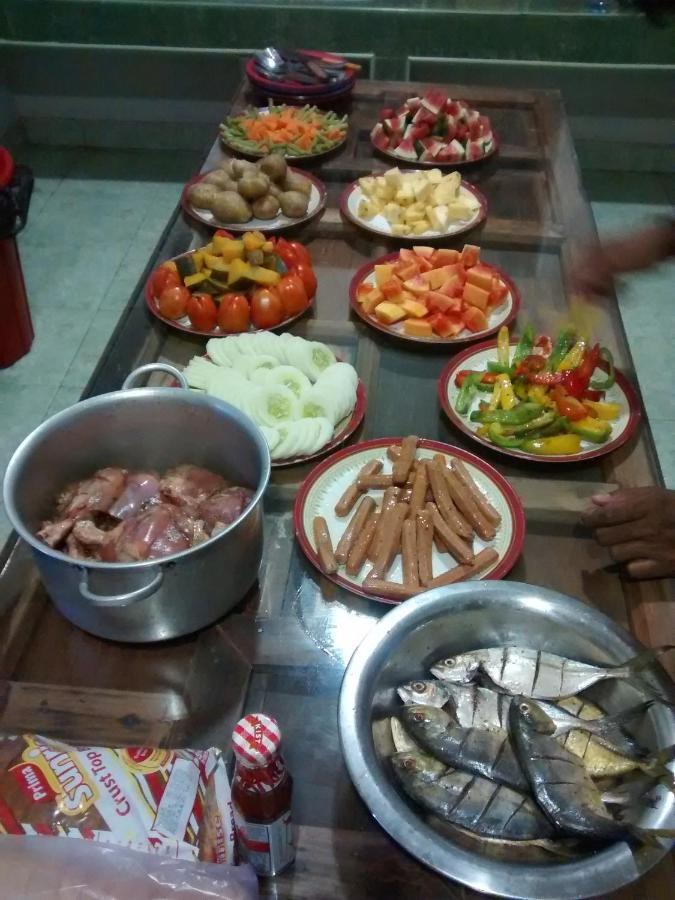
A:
[284,648]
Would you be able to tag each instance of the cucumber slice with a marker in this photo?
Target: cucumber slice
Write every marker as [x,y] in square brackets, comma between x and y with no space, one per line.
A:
[292,378]
[274,405]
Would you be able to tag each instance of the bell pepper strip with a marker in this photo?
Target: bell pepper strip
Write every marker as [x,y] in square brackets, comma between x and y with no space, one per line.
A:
[603,410]
[483,431]
[556,445]
[568,406]
[499,369]
[467,392]
[486,386]
[487,377]
[537,393]
[519,415]
[507,399]
[563,342]
[595,430]
[573,357]
[496,393]
[561,425]
[527,428]
[530,365]
[599,384]
[595,396]
[543,346]
[521,389]
[503,346]
[497,436]
[524,346]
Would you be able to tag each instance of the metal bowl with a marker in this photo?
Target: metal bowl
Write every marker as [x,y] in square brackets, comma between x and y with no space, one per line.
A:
[445,622]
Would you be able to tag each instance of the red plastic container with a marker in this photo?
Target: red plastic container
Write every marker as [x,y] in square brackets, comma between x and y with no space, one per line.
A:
[16,333]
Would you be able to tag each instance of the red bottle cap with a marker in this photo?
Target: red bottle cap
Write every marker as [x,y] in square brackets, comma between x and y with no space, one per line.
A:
[256,739]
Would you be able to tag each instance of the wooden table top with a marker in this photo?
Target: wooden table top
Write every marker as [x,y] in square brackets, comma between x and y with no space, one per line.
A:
[284,648]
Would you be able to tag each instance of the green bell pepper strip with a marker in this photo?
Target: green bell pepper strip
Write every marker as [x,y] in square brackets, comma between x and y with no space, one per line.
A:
[467,392]
[563,344]
[518,415]
[598,384]
[525,429]
[500,368]
[524,346]
[497,437]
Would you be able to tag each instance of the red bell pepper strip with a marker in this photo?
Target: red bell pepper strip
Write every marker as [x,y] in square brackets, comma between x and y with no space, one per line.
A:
[570,407]
[488,377]
[543,346]
[596,396]
[530,365]
[576,381]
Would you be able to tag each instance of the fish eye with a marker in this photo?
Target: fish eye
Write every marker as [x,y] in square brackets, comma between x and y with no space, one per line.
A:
[524,707]
[450,661]
[409,763]
[418,716]
[419,686]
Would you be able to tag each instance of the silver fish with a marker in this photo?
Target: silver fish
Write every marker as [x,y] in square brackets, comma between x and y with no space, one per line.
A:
[467,800]
[485,753]
[479,707]
[560,783]
[535,673]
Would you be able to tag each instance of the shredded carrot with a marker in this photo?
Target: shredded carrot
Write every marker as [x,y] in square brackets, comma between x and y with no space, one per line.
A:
[289,125]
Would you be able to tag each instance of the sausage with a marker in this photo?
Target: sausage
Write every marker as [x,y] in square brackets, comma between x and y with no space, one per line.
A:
[460,573]
[402,465]
[479,498]
[391,590]
[411,575]
[446,507]
[425,536]
[393,452]
[406,495]
[430,506]
[466,505]
[389,501]
[359,551]
[456,546]
[373,482]
[351,532]
[324,545]
[392,523]
[348,500]
[419,490]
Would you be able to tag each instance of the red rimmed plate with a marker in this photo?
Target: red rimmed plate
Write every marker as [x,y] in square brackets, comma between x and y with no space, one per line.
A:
[503,315]
[231,146]
[434,164]
[477,357]
[343,431]
[183,324]
[325,484]
[317,203]
[352,196]
[257,77]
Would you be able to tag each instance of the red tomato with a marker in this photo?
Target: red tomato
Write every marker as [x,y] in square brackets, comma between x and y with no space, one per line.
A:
[266,308]
[164,277]
[222,233]
[308,278]
[233,313]
[202,312]
[284,250]
[301,254]
[292,294]
[173,301]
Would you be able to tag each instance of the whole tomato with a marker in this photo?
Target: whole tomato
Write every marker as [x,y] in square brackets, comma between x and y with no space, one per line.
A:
[292,294]
[308,277]
[284,250]
[173,302]
[266,308]
[220,232]
[233,313]
[301,253]
[164,277]
[202,312]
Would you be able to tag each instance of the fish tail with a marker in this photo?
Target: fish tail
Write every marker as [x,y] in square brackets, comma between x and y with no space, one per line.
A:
[641,661]
[649,690]
[609,727]
[656,766]
[650,836]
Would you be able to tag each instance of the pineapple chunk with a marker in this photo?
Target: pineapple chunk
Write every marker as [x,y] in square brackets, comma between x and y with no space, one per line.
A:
[389,313]
[367,185]
[405,194]
[439,217]
[414,308]
[383,273]
[400,230]
[384,192]
[462,209]
[421,227]
[414,213]
[393,178]
[392,213]
[367,209]
[453,179]
[445,192]
[435,176]
[424,191]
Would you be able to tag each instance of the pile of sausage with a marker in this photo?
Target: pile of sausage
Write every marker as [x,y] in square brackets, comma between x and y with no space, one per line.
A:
[425,502]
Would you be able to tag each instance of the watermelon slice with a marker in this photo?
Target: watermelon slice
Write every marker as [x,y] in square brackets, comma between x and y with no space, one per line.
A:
[453,152]
[403,120]
[452,108]
[390,125]
[420,131]
[379,138]
[434,100]
[408,132]
[406,149]
[413,103]
[474,150]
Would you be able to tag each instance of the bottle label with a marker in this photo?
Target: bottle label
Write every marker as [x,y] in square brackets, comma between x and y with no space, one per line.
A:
[269,848]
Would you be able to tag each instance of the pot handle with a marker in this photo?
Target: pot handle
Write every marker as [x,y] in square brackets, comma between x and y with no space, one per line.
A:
[119,599]
[133,377]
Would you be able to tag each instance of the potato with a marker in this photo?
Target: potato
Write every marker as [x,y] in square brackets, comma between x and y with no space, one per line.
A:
[241,167]
[274,166]
[226,166]
[266,207]
[221,180]
[229,206]
[295,182]
[275,190]
[251,187]
[294,204]
[202,195]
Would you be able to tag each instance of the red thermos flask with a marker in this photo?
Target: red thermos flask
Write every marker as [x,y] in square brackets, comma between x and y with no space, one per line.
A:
[16,330]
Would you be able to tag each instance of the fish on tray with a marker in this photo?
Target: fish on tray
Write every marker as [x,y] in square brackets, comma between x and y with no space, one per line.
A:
[537,673]
[468,800]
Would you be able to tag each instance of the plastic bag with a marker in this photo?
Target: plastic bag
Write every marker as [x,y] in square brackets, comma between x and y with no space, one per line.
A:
[32,868]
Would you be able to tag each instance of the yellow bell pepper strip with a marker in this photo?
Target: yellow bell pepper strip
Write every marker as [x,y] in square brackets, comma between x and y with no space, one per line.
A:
[483,431]
[507,399]
[521,389]
[501,439]
[595,430]
[563,342]
[537,393]
[573,357]
[603,409]
[556,445]
[496,393]
[503,346]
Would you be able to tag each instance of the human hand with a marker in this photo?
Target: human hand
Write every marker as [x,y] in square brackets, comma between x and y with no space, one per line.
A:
[637,525]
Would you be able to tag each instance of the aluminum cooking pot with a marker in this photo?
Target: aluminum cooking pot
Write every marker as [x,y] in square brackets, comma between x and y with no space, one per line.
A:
[152,427]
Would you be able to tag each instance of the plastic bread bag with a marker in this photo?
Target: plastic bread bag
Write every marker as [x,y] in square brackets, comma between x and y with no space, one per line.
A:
[32,868]
[169,804]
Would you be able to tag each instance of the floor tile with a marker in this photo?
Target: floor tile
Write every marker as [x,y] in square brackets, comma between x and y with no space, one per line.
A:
[66,395]
[58,334]
[90,349]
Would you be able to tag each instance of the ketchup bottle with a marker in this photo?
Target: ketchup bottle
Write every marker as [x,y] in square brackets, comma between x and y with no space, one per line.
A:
[261,795]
